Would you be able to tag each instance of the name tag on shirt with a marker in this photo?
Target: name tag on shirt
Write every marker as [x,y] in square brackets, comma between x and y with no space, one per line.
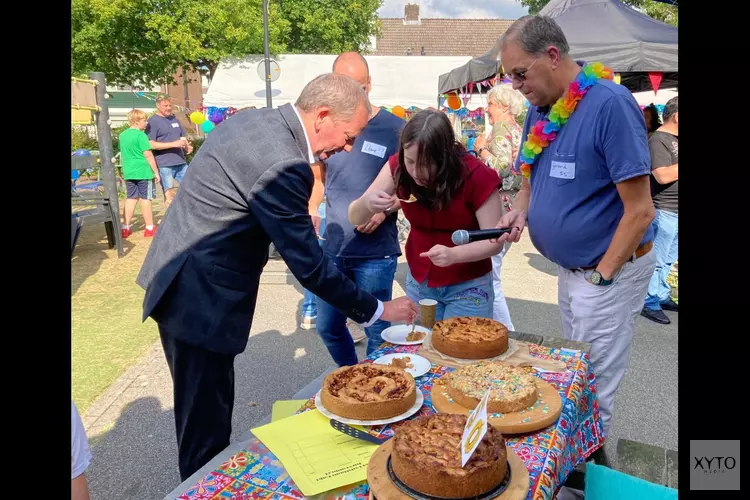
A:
[175,125]
[374,149]
[562,170]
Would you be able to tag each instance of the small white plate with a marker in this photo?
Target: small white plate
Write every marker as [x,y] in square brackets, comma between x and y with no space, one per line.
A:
[420,364]
[397,334]
[408,413]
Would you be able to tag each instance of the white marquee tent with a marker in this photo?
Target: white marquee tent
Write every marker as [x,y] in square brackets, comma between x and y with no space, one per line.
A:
[396,80]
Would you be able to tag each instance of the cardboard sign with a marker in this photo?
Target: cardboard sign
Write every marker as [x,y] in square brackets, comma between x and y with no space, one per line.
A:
[475,429]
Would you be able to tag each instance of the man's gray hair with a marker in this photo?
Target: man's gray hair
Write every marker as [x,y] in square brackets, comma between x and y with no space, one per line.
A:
[670,109]
[341,94]
[535,34]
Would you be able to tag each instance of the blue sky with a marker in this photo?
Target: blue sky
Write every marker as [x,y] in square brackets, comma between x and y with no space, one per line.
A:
[476,9]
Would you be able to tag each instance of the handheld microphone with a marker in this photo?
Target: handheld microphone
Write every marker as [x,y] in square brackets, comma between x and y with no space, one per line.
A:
[462,237]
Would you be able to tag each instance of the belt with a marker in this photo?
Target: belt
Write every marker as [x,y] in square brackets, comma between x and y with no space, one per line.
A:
[639,252]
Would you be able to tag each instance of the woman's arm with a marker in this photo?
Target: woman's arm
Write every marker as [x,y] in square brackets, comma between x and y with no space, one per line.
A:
[378,197]
[487,216]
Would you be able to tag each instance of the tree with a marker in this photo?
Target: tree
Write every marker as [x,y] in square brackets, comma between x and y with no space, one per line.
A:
[658,10]
[330,26]
[148,40]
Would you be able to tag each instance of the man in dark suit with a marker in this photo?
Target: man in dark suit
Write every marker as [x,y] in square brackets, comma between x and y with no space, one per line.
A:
[248,186]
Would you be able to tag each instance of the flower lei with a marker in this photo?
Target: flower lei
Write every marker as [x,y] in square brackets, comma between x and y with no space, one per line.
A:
[544,131]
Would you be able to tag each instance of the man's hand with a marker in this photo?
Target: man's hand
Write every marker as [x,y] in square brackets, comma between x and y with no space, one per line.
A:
[440,255]
[400,309]
[316,220]
[379,201]
[515,219]
[371,226]
[189,148]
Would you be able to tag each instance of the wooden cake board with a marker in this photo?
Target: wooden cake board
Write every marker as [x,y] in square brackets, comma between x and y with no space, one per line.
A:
[381,487]
[519,358]
[528,420]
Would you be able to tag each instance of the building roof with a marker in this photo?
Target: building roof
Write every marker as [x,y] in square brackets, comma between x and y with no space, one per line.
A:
[439,37]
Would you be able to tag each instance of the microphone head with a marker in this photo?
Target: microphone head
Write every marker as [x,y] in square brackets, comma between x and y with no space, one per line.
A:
[460,237]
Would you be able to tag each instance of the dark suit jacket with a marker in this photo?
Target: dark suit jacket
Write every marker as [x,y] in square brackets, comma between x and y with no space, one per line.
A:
[248,185]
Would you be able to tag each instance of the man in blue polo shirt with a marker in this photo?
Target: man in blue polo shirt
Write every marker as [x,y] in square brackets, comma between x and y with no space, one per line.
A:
[588,199]
[367,254]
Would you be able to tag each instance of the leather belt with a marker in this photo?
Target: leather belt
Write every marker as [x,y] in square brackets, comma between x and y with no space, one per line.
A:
[639,252]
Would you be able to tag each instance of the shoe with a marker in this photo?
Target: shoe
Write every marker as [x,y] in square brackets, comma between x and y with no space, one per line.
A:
[655,315]
[669,305]
[149,233]
[308,322]
[357,335]
[126,232]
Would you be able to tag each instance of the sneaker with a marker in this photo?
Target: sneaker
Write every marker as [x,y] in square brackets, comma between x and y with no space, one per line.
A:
[149,233]
[669,305]
[308,322]
[655,315]
[126,232]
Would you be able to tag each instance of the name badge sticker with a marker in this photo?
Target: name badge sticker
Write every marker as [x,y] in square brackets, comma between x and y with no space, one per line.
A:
[175,125]
[562,170]
[374,149]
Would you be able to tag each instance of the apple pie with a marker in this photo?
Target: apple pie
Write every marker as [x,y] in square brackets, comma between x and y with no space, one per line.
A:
[470,338]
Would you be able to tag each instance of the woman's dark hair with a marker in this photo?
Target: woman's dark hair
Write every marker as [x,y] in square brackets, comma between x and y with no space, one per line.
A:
[438,153]
[655,122]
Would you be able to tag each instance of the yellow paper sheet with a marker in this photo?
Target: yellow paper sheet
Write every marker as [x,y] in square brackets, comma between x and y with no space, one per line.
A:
[285,408]
[317,457]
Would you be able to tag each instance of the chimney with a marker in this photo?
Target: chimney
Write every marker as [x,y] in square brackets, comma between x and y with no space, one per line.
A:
[411,13]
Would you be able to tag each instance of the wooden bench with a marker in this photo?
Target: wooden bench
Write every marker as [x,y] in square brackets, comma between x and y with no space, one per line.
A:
[94,208]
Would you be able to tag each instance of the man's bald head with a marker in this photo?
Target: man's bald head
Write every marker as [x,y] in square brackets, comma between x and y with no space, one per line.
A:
[353,65]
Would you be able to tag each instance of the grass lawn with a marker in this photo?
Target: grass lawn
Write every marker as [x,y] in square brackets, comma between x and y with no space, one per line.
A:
[107,333]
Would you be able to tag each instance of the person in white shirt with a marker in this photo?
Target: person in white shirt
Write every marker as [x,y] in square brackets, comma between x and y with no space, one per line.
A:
[81,456]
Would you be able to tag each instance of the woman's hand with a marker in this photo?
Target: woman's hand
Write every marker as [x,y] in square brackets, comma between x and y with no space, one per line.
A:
[440,255]
[480,142]
[378,201]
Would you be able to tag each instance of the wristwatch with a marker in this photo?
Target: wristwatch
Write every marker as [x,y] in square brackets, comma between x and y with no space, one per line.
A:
[596,278]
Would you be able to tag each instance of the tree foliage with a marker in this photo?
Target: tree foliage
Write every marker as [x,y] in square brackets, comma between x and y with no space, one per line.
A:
[146,41]
[658,10]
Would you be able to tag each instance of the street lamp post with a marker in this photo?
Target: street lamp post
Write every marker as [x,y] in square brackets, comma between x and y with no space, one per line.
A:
[267,55]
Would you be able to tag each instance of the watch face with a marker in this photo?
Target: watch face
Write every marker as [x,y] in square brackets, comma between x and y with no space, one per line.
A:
[596,278]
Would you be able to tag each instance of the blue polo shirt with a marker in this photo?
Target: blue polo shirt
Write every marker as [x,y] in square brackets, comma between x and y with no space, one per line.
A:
[575,208]
[348,175]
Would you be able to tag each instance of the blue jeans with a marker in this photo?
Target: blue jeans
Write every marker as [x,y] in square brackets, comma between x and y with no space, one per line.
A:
[309,307]
[374,276]
[665,248]
[468,298]
[170,174]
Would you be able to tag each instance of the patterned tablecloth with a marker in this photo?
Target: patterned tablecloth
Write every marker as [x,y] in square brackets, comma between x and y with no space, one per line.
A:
[550,454]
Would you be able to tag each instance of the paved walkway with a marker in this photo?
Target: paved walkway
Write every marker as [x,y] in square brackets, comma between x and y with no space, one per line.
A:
[131,425]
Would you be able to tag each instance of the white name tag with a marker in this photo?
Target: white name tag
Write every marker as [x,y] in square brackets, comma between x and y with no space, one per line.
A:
[374,149]
[563,170]
[175,125]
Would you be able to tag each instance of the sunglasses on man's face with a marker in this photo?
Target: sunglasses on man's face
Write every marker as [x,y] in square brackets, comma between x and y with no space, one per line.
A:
[520,76]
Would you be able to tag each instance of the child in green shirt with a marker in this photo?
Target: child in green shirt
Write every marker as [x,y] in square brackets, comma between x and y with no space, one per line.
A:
[139,171]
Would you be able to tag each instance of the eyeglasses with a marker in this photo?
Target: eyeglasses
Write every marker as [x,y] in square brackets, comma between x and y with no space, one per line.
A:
[520,76]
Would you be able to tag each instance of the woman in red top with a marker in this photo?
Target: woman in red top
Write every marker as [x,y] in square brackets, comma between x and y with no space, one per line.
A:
[451,190]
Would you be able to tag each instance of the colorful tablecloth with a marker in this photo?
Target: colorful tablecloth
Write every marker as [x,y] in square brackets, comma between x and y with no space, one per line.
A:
[550,454]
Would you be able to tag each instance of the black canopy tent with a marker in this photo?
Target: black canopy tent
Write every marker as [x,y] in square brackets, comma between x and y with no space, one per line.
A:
[631,43]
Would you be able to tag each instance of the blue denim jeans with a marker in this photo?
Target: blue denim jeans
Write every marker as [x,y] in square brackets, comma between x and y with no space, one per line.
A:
[309,307]
[374,276]
[170,174]
[469,298]
[665,248]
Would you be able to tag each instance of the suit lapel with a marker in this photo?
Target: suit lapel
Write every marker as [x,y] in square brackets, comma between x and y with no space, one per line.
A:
[288,114]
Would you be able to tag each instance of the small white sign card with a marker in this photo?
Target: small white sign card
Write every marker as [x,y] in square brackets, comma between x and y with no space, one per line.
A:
[475,429]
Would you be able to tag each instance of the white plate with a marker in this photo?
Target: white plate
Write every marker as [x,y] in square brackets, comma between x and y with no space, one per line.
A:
[421,365]
[397,334]
[408,413]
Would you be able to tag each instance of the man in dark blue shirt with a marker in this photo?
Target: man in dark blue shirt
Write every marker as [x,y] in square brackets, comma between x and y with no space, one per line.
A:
[367,254]
[588,199]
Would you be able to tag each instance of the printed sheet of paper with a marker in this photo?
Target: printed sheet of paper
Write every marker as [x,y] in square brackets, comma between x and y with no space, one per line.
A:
[475,429]
[317,457]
